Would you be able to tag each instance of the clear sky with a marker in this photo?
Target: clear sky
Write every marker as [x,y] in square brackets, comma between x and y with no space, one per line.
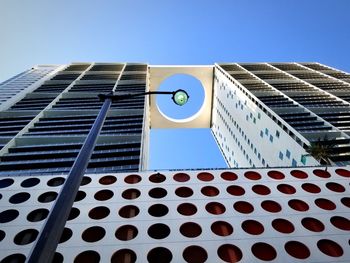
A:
[173,32]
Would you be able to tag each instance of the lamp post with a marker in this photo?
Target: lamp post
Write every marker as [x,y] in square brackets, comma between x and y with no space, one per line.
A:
[49,236]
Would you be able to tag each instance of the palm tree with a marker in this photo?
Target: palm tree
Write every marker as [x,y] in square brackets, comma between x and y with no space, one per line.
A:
[321,151]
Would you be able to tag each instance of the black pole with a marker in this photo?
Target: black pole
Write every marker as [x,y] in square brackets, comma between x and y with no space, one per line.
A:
[45,246]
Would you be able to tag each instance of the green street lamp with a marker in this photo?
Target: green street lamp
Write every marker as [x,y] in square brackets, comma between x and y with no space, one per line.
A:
[46,244]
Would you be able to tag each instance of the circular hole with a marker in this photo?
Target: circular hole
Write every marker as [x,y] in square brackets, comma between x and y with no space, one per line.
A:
[345,201]
[184,192]
[47,197]
[57,181]
[6,182]
[264,251]
[66,235]
[88,256]
[103,195]
[215,208]
[74,213]
[229,253]
[126,232]
[124,255]
[283,225]
[158,231]
[325,204]
[37,215]
[229,176]
[190,229]
[93,234]
[30,182]
[340,222]
[243,207]
[299,174]
[57,258]
[99,212]
[195,254]
[80,196]
[261,189]
[157,178]
[297,249]
[86,180]
[311,188]
[271,206]
[252,175]
[14,258]
[312,224]
[252,227]
[235,190]
[157,192]
[321,173]
[181,177]
[194,103]
[286,189]
[19,198]
[2,235]
[131,194]
[187,209]
[8,215]
[26,236]
[210,191]
[298,205]
[335,187]
[133,179]
[221,228]
[159,255]
[107,180]
[330,248]
[276,175]
[343,172]
[158,210]
[129,211]
[206,177]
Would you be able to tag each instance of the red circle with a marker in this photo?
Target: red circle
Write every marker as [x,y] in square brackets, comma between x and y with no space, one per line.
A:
[252,175]
[325,204]
[215,208]
[184,192]
[264,251]
[221,228]
[190,229]
[235,190]
[345,201]
[252,227]
[243,207]
[283,225]
[335,187]
[321,173]
[330,248]
[340,222]
[312,224]
[157,178]
[195,254]
[343,172]
[298,205]
[299,174]
[187,209]
[210,191]
[133,179]
[311,188]
[297,249]
[206,177]
[276,175]
[181,177]
[271,206]
[230,253]
[108,179]
[286,189]
[229,176]
[261,189]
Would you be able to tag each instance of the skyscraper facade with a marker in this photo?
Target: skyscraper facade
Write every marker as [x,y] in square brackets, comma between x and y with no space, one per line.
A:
[274,202]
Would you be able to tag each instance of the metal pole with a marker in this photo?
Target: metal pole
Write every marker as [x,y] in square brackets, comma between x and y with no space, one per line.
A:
[45,246]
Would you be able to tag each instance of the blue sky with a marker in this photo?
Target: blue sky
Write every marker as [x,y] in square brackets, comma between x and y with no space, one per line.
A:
[174,32]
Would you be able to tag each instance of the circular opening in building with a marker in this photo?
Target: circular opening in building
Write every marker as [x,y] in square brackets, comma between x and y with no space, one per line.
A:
[19,198]
[321,173]
[187,209]
[158,210]
[271,206]
[185,82]
[276,175]
[99,212]
[107,180]
[131,194]
[181,177]
[298,205]
[190,229]
[264,251]
[126,232]
[133,179]
[210,191]
[299,174]
[103,195]
[345,201]
[157,178]
[243,207]
[26,236]
[88,256]
[343,172]
[6,182]
[335,187]
[252,227]
[297,249]
[340,222]
[311,188]
[215,208]
[184,192]
[159,255]
[80,196]
[230,253]
[93,234]
[235,190]
[57,181]
[205,177]
[14,258]
[66,235]
[195,254]
[252,175]
[312,224]
[124,255]
[261,189]
[286,189]
[85,181]
[282,225]
[157,192]
[158,231]
[37,215]
[8,215]
[325,204]
[221,228]
[330,248]
[74,213]
[229,176]
[129,211]
[47,197]
[30,182]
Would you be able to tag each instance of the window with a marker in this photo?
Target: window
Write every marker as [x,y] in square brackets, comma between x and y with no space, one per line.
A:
[277,134]
[288,154]
[259,115]
[263,161]
[294,163]
[259,156]
[271,138]
[266,131]
[281,155]
[254,120]
[261,134]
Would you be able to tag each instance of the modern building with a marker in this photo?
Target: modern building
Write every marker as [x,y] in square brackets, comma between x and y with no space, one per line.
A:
[274,202]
